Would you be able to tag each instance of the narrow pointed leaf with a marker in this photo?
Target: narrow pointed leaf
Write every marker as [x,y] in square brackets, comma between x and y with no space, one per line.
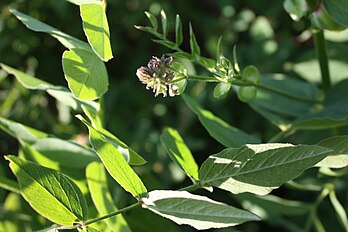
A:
[224,133]
[152,19]
[194,210]
[195,50]
[128,153]
[259,168]
[178,31]
[86,74]
[35,25]
[60,93]
[63,201]
[102,199]
[179,152]
[165,24]
[96,28]
[339,156]
[115,163]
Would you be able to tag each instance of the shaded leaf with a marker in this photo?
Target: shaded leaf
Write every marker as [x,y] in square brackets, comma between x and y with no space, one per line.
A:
[115,163]
[152,19]
[338,10]
[224,133]
[259,168]
[9,184]
[221,90]
[86,74]
[102,199]
[178,31]
[165,24]
[195,50]
[194,210]
[295,8]
[35,25]
[63,201]
[96,28]
[179,152]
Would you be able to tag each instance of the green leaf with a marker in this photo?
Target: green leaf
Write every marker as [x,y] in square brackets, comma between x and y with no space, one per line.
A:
[221,90]
[60,93]
[152,19]
[178,31]
[128,153]
[96,28]
[86,74]
[179,152]
[195,50]
[339,156]
[35,25]
[21,132]
[165,24]
[194,210]
[259,168]
[334,112]
[102,199]
[295,8]
[166,43]
[224,133]
[271,105]
[50,193]
[115,163]
[338,10]
[80,2]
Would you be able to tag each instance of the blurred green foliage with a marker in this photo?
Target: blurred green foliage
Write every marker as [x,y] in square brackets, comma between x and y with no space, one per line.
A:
[265,36]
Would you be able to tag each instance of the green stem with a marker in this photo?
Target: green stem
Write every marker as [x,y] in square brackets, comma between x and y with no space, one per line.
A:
[320,46]
[192,187]
[281,135]
[113,214]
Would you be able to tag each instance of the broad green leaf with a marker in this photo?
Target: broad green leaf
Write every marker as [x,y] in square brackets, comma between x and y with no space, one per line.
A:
[195,50]
[178,31]
[115,163]
[96,28]
[224,133]
[259,168]
[86,74]
[21,132]
[9,184]
[50,193]
[35,25]
[102,199]
[165,24]
[295,8]
[60,93]
[194,210]
[128,153]
[334,112]
[152,20]
[179,152]
[271,105]
[339,157]
[338,10]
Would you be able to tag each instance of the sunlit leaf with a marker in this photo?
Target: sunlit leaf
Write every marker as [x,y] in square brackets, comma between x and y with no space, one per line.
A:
[194,210]
[96,28]
[115,163]
[339,157]
[179,152]
[86,74]
[259,168]
[63,201]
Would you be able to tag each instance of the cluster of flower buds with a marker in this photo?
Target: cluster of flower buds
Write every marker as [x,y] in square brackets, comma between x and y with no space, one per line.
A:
[158,76]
